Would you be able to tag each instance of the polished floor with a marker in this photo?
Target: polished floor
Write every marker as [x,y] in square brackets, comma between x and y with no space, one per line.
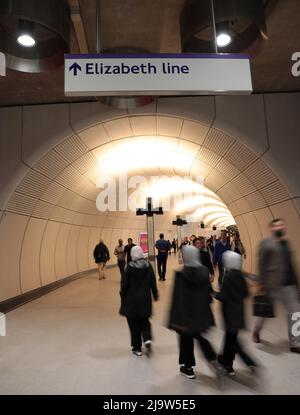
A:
[73,341]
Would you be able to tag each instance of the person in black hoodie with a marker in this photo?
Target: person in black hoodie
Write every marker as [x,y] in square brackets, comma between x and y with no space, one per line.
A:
[190,313]
[101,255]
[137,284]
[232,295]
[204,256]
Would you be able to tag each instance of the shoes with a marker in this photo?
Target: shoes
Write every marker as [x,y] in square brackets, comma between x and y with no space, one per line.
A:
[187,372]
[148,346]
[137,352]
[256,338]
[295,349]
[217,368]
[229,371]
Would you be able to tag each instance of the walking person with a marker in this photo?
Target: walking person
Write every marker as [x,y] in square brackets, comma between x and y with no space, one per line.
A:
[204,256]
[190,313]
[162,247]
[101,255]
[221,246]
[278,279]
[138,283]
[174,245]
[127,250]
[232,295]
[237,246]
[120,254]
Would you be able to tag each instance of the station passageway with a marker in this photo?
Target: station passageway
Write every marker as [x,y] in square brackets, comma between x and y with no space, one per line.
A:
[73,341]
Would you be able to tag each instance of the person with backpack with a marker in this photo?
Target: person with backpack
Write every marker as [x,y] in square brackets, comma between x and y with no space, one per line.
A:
[101,255]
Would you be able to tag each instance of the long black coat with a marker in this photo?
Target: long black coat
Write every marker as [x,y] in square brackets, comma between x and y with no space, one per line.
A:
[206,261]
[101,253]
[190,308]
[233,292]
[137,284]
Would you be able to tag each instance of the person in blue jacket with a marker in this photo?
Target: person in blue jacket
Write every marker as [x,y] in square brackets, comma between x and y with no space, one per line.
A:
[163,248]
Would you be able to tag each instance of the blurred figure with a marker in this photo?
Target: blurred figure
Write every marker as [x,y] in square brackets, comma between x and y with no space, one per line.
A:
[210,245]
[120,254]
[237,246]
[170,247]
[221,246]
[278,278]
[192,237]
[128,248]
[137,283]
[190,314]
[162,247]
[174,245]
[232,295]
[204,256]
[101,255]
[184,242]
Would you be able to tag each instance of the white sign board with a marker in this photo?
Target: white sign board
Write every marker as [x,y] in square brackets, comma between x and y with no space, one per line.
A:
[2,64]
[157,74]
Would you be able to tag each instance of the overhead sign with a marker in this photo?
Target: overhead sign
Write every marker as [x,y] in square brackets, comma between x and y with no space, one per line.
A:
[2,64]
[157,74]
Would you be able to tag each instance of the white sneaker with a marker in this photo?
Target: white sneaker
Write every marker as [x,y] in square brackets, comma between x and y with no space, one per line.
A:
[137,353]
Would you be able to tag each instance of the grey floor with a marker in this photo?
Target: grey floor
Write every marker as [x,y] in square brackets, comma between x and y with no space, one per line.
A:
[73,341]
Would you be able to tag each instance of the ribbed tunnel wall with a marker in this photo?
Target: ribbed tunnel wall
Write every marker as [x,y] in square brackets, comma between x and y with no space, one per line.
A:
[247,148]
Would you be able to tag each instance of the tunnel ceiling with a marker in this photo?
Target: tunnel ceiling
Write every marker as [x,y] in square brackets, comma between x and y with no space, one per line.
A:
[153,26]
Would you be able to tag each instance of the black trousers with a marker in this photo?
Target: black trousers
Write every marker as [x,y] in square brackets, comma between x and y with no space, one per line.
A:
[186,350]
[221,273]
[162,265]
[233,347]
[139,329]
[121,265]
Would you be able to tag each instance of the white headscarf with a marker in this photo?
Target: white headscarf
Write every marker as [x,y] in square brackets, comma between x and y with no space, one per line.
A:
[232,260]
[191,256]
[136,253]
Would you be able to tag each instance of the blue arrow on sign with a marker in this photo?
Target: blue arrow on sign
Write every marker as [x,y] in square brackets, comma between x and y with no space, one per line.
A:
[75,67]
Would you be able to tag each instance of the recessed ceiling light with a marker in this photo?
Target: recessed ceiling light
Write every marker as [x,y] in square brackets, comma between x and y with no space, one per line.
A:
[26,40]
[223,39]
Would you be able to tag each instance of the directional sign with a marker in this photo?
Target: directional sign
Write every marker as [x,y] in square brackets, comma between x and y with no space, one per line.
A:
[157,74]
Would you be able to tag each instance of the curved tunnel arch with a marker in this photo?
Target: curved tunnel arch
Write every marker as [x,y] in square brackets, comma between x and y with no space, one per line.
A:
[52,213]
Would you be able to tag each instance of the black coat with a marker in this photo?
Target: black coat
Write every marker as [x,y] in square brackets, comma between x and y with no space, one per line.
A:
[101,253]
[190,308]
[233,292]
[206,261]
[127,251]
[137,284]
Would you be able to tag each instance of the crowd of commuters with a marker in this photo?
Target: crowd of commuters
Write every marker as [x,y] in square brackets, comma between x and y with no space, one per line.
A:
[190,314]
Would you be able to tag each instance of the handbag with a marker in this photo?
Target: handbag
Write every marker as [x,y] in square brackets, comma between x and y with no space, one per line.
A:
[263,306]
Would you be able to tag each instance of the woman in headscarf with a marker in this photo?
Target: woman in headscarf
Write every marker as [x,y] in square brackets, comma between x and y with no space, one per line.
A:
[190,314]
[232,295]
[137,284]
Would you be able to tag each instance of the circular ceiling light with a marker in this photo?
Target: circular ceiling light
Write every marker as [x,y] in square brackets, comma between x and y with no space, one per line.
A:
[240,25]
[26,40]
[34,34]
[223,39]
[25,33]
